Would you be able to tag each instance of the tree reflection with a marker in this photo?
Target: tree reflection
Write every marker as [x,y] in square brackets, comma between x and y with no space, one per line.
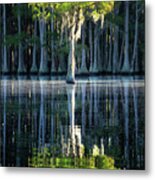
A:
[4,93]
[42,117]
[75,124]
[74,141]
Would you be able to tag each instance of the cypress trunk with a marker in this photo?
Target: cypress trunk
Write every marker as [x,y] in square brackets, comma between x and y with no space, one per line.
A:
[74,35]
[53,70]
[115,42]
[43,56]
[71,59]
[71,63]
[95,68]
[134,63]
[110,50]
[34,68]
[99,59]
[115,50]
[121,55]
[1,39]
[5,64]
[83,68]
[62,64]
[91,47]
[106,46]
[21,66]
[126,66]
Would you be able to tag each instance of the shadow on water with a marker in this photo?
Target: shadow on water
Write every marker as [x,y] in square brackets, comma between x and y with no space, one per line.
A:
[96,123]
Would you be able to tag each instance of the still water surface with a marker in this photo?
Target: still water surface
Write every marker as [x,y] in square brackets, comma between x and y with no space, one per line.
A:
[42,119]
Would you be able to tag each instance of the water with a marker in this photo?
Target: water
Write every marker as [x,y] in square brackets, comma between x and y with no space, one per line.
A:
[46,123]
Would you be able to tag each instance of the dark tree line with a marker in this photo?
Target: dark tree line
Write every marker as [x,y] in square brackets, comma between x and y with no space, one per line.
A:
[72,38]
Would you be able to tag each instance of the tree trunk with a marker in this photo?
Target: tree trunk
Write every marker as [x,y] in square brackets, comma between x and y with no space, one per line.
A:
[43,58]
[71,63]
[62,65]
[110,50]
[21,67]
[100,46]
[1,41]
[74,35]
[95,68]
[115,40]
[53,70]
[91,46]
[13,61]
[102,147]
[5,64]
[71,59]
[134,64]
[115,50]
[100,64]
[106,47]
[121,55]
[83,68]
[126,66]
[34,68]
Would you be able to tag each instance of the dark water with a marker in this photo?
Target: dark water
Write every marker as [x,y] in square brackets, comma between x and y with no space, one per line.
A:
[41,119]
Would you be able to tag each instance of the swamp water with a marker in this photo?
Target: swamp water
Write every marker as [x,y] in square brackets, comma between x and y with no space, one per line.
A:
[96,123]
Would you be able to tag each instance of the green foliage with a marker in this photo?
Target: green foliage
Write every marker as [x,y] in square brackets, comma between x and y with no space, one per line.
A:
[32,40]
[19,9]
[63,50]
[16,39]
[40,10]
[104,162]
[44,158]
[90,9]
